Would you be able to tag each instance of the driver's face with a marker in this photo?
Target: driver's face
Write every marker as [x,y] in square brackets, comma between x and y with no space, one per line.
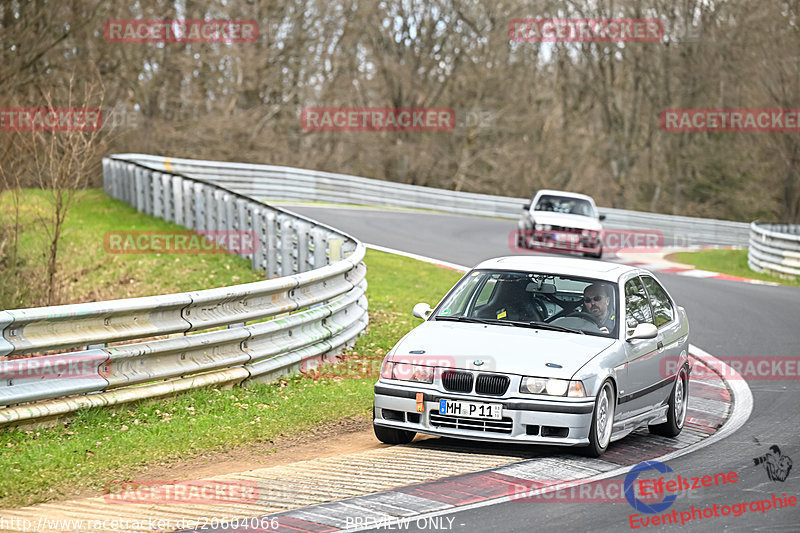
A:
[597,307]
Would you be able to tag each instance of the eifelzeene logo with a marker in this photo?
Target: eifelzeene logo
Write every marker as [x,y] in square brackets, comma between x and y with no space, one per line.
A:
[775,463]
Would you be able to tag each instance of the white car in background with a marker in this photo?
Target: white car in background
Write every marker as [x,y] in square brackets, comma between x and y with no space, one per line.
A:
[561,221]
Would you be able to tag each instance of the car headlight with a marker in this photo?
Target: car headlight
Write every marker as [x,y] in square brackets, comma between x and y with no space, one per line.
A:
[552,387]
[407,372]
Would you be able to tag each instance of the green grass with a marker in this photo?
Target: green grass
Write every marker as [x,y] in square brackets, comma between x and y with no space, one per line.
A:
[87,272]
[100,446]
[731,262]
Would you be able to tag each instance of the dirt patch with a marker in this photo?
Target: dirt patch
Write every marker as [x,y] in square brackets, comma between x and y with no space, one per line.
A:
[335,438]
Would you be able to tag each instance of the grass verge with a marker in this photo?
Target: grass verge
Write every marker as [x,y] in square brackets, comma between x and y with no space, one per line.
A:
[731,262]
[101,446]
[87,272]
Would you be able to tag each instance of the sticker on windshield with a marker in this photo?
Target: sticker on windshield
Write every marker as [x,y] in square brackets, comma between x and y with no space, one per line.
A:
[445,311]
[502,313]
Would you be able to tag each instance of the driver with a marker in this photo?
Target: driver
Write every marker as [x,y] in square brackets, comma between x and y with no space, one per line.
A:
[597,302]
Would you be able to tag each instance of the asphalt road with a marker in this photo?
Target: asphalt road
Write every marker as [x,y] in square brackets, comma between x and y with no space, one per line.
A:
[727,319]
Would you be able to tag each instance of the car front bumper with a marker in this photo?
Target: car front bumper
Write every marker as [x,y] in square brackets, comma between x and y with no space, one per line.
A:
[559,239]
[552,421]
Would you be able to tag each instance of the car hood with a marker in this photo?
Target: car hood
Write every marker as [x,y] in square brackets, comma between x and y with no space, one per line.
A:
[508,349]
[567,220]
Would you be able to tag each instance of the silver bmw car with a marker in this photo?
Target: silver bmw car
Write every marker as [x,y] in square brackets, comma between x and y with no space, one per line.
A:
[544,350]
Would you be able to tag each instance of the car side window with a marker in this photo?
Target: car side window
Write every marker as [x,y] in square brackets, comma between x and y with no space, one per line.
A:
[662,307]
[486,292]
[637,307]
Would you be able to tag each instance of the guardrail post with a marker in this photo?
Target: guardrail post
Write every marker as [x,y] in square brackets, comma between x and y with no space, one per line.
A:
[148,191]
[287,238]
[167,198]
[318,247]
[302,230]
[176,192]
[210,203]
[334,248]
[138,176]
[128,175]
[158,195]
[199,207]
[221,214]
[188,204]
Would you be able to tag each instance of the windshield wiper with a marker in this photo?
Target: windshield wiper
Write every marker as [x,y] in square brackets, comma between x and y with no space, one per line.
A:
[544,325]
[490,321]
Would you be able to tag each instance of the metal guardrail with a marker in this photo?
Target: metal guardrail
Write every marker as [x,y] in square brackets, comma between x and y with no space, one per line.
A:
[775,248]
[285,183]
[315,304]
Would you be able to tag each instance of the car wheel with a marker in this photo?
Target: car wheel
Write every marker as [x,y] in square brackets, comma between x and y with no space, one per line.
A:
[393,435]
[678,405]
[520,238]
[602,421]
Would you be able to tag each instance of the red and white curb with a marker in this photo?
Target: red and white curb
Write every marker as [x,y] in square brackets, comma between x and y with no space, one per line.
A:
[717,408]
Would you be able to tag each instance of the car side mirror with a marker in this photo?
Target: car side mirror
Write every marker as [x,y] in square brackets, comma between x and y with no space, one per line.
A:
[643,331]
[526,206]
[602,217]
[422,310]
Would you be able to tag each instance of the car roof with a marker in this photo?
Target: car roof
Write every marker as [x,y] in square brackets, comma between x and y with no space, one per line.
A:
[568,266]
[565,194]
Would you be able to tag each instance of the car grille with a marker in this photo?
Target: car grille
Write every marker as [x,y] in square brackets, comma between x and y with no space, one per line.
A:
[504,425]
[564,229]
[457,381]
[491,384]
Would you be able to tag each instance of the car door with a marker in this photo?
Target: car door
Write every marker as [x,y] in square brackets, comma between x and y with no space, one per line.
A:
[642,355]
[673,337]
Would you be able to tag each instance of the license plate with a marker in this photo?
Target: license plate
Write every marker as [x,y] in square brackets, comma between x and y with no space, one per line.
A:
[567,238]
[493,411]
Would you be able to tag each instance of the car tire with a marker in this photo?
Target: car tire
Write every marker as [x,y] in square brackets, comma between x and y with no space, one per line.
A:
[393,435]
[602,421]
[520,239]
[676,411]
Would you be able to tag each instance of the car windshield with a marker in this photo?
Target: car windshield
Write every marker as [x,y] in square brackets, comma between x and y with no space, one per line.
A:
[561,204]
[546,301]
